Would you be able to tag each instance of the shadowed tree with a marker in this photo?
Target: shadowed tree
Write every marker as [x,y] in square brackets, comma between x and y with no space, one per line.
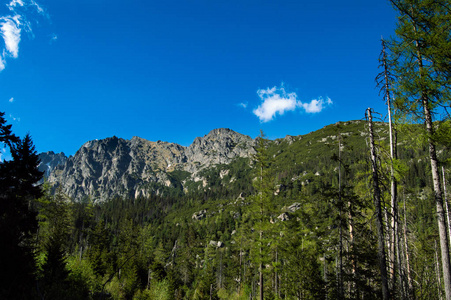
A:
[19,179]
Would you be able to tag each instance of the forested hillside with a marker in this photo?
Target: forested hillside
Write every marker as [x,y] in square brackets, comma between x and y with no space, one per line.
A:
[300,211]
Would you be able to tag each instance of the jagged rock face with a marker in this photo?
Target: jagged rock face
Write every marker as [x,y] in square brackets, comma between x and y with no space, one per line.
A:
[49,160]
[220,146]
[96,170]
[102,169]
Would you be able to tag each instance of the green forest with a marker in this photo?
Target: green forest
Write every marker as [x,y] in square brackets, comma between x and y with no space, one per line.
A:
[355,210]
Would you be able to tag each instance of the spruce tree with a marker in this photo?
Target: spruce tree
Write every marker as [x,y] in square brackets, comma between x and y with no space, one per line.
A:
[262,210]
[19,180]
[6,135]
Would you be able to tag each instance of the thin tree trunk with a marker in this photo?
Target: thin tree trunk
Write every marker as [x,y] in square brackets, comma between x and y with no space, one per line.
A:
[340,242]
[393,183]
[444,243]
[261,237]
[437,269]
[377,204]
[276,283]
[261,266]
[406,247]
[240,278]
[325,276]
[261,281]
[387,239]
[445,200]
[353,259]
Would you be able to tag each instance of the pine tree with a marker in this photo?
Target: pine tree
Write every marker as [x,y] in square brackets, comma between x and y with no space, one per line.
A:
[19,179]
[6,135]
[263,208]
[422,59]
[257,230]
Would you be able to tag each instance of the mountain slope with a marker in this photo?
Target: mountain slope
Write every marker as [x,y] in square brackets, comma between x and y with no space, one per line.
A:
[102,169]
[216,163]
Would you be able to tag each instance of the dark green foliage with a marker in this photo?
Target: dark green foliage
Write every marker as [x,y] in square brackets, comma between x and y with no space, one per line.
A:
[135,248]
[55,281]
[19,179]
[6,135]
[147,248]
[99,250]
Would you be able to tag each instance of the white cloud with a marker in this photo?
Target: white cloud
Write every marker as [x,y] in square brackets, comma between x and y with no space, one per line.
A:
[14,3]
[274,100]
[11,100]
[10,31]
[277,101]
[2,62]
[38,7]
[316,105]
[11,26]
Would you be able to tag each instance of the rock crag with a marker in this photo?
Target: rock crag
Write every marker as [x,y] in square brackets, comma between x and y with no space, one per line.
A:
[111,167]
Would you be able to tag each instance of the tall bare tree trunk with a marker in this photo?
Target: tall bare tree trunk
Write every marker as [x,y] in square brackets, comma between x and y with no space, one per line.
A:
[261,281]
[407,253]
[378,208]
[444,243]
[437,270]
[445,200]
[276,277]
[340,228]
[325,276]
[393,183]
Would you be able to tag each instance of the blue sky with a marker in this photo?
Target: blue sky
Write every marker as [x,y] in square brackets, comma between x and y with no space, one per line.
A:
[73,71]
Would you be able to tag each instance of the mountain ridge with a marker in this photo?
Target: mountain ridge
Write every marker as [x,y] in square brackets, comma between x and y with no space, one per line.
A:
[117,167]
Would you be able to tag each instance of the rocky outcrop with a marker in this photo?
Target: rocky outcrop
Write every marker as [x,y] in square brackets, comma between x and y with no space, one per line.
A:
[97,170]
[49,161]
[283,217]
[294,207]
[220,146]
[199,215]
[216,244]
[102,169]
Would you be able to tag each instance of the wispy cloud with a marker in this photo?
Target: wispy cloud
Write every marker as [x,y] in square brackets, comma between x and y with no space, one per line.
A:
[10,31]
[14,118]
[39,9]
[15,3]
[243,105]
[11,27]
[2,62]
[53,38]
[277,100]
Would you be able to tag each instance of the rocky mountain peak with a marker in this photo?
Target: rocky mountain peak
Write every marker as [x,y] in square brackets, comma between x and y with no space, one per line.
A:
[50,160]
[114,166]
[219,146]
